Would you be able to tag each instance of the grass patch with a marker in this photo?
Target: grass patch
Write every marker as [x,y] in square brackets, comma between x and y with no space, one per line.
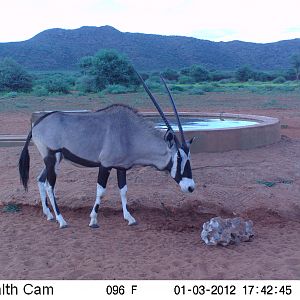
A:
[9,95]
[266,183]
[11,208]
[272,183]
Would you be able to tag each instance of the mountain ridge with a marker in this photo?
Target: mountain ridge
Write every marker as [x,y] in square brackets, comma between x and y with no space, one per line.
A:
[61,49]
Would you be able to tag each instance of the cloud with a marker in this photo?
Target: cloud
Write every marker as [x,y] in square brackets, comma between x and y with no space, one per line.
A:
[256,20]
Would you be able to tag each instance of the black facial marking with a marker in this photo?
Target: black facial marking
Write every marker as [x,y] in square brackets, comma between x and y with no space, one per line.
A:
[185,149]
[96,208]
[187,172]
[121,175]
[178,176]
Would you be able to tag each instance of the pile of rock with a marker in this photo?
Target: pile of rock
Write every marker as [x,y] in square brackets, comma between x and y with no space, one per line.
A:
[223,232]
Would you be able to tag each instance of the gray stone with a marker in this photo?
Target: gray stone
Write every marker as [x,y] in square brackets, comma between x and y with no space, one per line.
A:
[223,232]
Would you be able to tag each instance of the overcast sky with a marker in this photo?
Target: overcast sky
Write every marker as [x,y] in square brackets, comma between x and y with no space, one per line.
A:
[260,21]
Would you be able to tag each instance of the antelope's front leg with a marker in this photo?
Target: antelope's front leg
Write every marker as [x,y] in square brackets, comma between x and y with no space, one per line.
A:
[123,190]
[101,188]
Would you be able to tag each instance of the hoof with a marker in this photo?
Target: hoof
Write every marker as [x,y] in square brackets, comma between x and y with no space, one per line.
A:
[63,226]
[49,216]
[132,224]
[94,226]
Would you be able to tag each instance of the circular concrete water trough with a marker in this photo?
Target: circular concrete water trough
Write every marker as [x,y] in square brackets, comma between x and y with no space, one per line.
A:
[262,131]
[248,132]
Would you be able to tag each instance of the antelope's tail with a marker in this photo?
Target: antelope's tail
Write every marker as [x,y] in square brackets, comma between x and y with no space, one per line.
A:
[24,163]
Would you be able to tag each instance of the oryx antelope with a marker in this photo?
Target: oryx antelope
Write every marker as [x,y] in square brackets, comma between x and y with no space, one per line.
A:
[114,137]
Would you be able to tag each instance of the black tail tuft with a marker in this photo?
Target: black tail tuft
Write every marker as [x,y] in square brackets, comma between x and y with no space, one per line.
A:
[24,163]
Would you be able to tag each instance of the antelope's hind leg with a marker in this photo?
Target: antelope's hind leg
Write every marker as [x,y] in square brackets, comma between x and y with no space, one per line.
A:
[51,162]
[42,188]
[103,175]
[121,174]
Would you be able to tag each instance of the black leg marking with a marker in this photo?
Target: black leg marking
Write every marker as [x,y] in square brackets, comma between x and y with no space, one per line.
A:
[103,176]
[121,175]
[50,161]
[43,176]
[56,207]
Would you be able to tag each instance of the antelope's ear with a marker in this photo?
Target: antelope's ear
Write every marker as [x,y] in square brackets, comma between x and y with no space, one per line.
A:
[170,138]
[191,141]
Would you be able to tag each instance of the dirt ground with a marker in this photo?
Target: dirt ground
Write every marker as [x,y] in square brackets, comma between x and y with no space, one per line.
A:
[166,243]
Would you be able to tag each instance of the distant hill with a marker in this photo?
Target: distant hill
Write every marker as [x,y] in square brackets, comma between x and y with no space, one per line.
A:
[60,49]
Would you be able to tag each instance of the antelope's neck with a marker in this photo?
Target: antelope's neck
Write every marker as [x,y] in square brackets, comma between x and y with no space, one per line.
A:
[166,161]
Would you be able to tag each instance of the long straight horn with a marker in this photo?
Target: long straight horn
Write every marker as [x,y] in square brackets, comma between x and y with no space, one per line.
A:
[155,102]
[176,113]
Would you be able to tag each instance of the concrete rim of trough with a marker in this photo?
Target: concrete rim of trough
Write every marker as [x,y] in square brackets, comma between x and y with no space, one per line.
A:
[265,132]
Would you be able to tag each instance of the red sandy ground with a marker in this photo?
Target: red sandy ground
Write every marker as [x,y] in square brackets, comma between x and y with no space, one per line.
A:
[166,244]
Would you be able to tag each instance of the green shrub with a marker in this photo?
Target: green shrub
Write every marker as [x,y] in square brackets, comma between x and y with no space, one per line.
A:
[199,74]
[185,71]
[40,91]
[145,76]
[86,84]
[57,84]
[177,88]
[261,76]
[153,85]
[9,95]
[154,78]
[108,67]
[13,77]
[243,74]
[228,80]
[196,91]
[221,75]
[118,89]
[279,79]
[286,88]
[170,74]
[184,79]
[208,88]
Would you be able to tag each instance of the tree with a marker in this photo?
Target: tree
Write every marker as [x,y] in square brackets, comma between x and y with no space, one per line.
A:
[198,73]
[296,64]
[243,74]
[57,83]
[109,67]
[13,77]
[170,74]
[85,64]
